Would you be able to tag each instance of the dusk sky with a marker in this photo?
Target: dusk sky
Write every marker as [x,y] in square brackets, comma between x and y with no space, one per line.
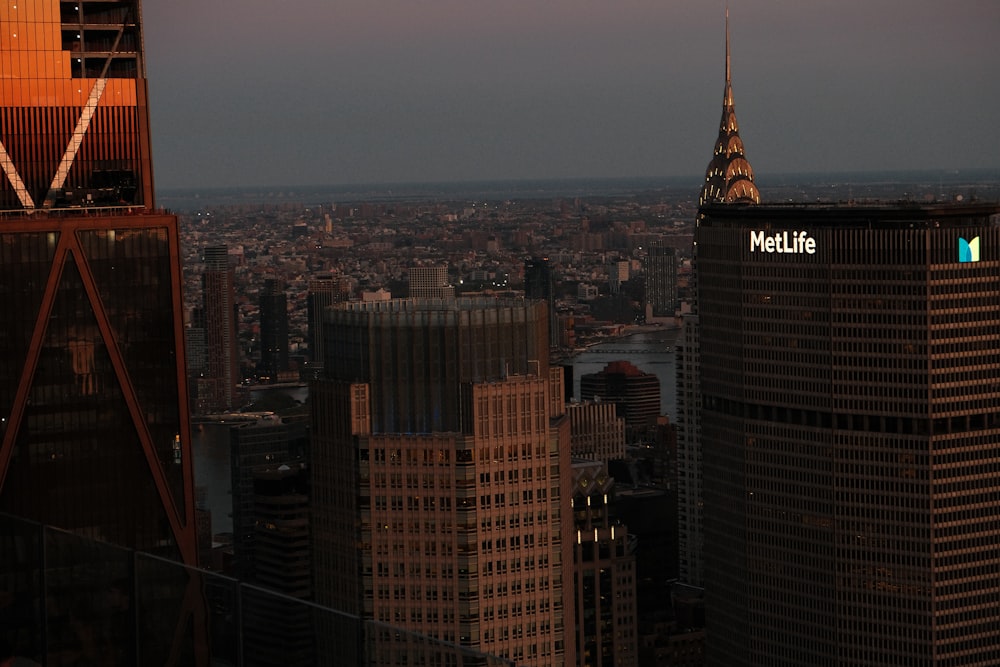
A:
[325,92]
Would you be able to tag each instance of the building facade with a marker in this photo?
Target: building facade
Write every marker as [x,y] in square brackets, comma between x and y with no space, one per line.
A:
[218,388]
[850,370]
[635,394]
[439,447]
[94,424]
[661,280]
[254,447]
[540,283]
[273,331]
[597,431]
[430,282]
[689,476]
[605,620]
[324,290]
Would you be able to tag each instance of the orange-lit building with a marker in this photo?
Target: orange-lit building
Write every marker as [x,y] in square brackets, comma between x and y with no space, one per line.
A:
[94,428]
[441,485]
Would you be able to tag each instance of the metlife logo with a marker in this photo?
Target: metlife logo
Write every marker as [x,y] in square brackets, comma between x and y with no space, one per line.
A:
[782,242]
[968,251]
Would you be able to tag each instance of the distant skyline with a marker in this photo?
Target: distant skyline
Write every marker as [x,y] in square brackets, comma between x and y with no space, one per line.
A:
[316,92]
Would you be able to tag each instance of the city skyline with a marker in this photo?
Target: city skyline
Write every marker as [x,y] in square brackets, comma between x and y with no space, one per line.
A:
[449,91]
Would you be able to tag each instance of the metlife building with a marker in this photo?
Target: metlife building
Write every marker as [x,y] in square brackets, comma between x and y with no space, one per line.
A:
[850,433]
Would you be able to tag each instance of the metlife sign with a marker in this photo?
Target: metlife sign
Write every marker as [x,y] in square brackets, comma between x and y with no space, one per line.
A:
[783,242]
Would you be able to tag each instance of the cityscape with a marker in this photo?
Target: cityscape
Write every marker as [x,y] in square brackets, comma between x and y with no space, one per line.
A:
[728,419]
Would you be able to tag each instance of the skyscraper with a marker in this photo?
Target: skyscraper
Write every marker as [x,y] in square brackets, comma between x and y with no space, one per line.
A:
[324,290]
[222,376]
[728,180]
[850,372]
[689,475]
[539,283]
[636,394]
[441,483]
[94,428]
[729,176]
[273,330]
[661,280]
[604,575]
[255,446]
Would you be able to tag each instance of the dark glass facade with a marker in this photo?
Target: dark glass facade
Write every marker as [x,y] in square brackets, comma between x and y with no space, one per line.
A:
[273,330]
[850,372]
[94,423]
[94,433]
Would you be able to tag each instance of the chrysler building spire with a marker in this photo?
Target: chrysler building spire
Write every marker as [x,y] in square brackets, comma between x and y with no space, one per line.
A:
[729,177]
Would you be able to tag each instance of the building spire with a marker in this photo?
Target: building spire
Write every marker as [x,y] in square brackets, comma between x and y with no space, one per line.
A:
[728,71]
[729,177]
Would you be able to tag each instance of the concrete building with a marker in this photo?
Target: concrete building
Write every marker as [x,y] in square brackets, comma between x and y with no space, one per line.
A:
[661,280]
[597,432]
[440,451]
[636,394]
[430,282]
[220,382]
[689,474]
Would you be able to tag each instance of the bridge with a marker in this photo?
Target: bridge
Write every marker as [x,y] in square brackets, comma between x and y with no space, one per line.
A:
[627,350]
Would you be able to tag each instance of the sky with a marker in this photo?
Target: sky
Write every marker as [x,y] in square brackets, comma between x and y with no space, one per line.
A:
[328,92]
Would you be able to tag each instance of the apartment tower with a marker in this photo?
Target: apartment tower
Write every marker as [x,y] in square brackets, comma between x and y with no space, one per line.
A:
[273,331]
[219,386]
[441,482]
[430,282]
[850,373]
[661,280]
[94,426]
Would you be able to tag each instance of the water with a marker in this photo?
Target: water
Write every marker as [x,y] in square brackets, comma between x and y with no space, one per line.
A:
[651,352]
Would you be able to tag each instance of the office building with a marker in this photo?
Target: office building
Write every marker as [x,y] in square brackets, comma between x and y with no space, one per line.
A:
[850,373]
[324,290]
[619,271]
[540,283]
[597,432]
[94,425]
[254,447]
[220,383]
[661,280]
[605,621]
[440,475]
[430,282]
[635,393]
[689,475]
[273,331]
[280,629]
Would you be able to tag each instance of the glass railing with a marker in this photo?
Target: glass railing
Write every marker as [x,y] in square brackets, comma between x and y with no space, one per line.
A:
[69,600]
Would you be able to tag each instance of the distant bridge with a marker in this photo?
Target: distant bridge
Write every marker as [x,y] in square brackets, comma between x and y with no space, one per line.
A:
[628,350]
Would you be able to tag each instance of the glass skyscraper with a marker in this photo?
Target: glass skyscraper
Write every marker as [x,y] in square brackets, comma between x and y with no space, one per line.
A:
[94,428]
